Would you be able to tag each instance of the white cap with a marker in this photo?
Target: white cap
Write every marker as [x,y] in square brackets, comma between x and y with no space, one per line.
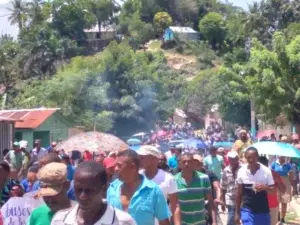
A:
[23,144]
[149,150]
[221,149]
[232,155]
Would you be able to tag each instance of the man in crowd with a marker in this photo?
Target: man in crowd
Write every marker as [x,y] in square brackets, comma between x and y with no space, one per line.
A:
[27,183]
[214,162]
[242,143]
[193,188]
[109,165]
[135,194]
[214,181]
[53,188]
[6,184]
[149,156]
[229,186]
[38,152]
[51,157]
[273,197]
[52,147]
[18,159]
[284,169]
[89,184]
[70,169]
[162,163]
[254,181]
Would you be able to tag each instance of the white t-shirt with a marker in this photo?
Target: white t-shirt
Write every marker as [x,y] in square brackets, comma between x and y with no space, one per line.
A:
[166,182]
[112,216]
[35,156]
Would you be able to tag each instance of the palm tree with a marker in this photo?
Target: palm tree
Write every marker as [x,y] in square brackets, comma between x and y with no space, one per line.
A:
[17,13]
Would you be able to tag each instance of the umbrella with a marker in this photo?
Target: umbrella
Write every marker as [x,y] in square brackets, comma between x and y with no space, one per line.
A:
[161,133]
[135,147]
[265,133]
[194,143]
[139,134]
[276,148]
[93,142]
[226,145]
[134,141]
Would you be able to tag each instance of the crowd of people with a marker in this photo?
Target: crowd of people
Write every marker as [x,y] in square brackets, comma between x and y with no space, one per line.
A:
[148,187]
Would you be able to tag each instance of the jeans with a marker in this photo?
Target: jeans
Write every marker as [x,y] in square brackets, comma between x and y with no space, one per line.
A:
[230,214]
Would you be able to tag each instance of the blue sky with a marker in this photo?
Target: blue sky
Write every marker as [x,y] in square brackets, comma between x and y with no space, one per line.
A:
[5,27]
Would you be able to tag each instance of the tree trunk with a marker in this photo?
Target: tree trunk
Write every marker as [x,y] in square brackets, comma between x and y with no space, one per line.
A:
[20,22]
[99,28]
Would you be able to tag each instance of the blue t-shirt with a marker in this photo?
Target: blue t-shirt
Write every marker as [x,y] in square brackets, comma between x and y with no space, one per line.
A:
[283,170]
[26,186]
[172,162]
[70,172]
[146,204]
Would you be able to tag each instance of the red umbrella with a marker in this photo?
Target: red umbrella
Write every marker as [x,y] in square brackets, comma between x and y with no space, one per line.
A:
[93,142]
[161,133]
[265,133]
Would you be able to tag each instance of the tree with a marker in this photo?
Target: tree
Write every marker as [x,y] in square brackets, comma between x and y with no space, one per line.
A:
[140,32]
[212,27]
[124,88]
[9,70]
[162,20]
[17,13]
[69,19]
[103,10]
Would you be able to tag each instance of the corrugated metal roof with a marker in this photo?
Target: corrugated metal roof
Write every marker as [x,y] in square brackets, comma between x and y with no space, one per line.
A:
[28,118]
[6,119]
[183,29]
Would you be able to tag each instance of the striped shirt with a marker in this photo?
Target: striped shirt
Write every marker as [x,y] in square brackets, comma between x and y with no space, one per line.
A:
[191,198]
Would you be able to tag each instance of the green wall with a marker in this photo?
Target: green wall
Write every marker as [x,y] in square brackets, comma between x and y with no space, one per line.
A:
[27,134]
[57,125]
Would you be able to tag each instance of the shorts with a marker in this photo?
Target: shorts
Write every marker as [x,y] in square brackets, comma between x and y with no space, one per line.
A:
[249,218]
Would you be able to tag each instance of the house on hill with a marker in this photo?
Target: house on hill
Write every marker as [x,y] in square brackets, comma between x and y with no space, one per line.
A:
[182,32]
[45,124]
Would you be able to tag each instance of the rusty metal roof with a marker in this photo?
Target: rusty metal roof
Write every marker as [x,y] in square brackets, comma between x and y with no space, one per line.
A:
[6,119]
[28,118]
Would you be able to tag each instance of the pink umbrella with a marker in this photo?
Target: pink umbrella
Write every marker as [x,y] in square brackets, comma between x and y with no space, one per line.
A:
[265,133]
[93,142]
[161,133]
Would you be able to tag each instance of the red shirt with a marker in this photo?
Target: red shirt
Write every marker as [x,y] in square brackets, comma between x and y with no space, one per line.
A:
[273,198]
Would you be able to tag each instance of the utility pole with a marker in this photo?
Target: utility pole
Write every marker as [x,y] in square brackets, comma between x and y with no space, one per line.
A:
[253,123]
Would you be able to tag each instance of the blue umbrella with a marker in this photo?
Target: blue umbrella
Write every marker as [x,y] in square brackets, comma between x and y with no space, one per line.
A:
[135,147]
[226,145]
[134,141]
[276,148]
[194,143]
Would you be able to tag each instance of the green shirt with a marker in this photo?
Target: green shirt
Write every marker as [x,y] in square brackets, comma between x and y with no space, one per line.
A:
[41,216]
[191,198]
[16,159]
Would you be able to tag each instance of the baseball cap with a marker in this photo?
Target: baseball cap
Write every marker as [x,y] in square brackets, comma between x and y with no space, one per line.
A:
[109,162]
[221,149]
[198,158]
[149,150]
[232,155]
[52,178]
[16,144]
